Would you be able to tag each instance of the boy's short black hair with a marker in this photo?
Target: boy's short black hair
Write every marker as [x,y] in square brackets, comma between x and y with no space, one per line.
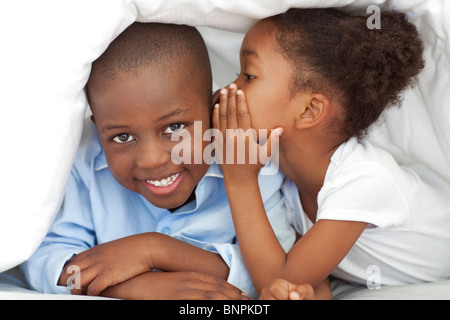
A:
[158,45]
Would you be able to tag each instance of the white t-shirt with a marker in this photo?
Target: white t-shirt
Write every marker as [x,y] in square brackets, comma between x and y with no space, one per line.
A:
[408,236]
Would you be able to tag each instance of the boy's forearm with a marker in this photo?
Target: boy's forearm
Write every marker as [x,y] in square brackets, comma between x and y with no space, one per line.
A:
[129,290]
[175,255]
[148,285]
[174,286]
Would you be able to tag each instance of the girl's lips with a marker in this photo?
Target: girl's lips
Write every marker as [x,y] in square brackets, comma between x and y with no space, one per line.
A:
[164,186]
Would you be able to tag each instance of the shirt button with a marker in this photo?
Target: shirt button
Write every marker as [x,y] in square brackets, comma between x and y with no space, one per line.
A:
[165,230]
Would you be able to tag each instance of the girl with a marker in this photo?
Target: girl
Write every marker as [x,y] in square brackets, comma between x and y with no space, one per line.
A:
[321,78]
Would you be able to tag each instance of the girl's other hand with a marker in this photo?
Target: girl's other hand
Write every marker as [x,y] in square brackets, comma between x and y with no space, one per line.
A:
[282,289]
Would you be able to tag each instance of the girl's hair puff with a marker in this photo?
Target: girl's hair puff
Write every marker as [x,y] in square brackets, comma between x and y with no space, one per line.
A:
[336,53]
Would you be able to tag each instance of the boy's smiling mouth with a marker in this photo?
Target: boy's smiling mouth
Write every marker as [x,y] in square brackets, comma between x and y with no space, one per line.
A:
[164,186]
[164,182]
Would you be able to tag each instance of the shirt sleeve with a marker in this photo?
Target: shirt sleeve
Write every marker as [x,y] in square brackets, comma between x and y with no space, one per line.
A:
[278,217]
[366,192]
[238,275]
[70,234]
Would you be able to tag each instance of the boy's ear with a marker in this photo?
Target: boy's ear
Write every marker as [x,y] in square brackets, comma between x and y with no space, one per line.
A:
[312,111]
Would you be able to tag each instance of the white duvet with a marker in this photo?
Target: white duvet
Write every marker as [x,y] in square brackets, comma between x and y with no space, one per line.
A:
[45,56]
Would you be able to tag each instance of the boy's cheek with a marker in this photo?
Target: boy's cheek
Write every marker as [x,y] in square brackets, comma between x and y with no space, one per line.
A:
[216,98]
[120,171]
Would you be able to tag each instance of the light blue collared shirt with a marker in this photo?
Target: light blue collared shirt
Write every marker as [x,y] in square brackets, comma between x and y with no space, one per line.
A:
[97,209]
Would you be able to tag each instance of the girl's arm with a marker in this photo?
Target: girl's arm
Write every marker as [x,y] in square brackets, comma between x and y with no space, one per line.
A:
[311,259]
[316,254]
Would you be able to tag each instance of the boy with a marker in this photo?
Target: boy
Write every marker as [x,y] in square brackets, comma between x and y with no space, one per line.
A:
[130,209]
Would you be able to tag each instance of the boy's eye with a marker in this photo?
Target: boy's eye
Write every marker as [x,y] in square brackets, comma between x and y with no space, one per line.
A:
[123,138]
[174,128]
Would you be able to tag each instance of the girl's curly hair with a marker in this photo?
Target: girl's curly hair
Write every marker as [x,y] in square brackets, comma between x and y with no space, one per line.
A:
[336,53]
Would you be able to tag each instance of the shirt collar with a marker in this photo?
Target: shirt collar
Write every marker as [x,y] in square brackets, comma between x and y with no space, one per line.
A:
[90,150]
[214,171]
[100,162]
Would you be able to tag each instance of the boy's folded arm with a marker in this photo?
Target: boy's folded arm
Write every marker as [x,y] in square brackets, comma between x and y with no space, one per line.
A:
[171,254]
[174,286]
[43,269]
[99,267]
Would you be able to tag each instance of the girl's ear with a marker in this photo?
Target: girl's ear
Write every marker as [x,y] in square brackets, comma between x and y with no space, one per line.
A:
[312,111]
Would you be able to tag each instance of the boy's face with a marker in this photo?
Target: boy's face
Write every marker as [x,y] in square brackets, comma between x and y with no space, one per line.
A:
[135,116]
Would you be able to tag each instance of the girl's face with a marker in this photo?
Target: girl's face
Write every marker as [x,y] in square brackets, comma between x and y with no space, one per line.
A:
[136,116]
[265,78]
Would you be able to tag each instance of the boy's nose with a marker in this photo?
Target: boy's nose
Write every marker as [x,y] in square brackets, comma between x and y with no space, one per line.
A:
[152,156]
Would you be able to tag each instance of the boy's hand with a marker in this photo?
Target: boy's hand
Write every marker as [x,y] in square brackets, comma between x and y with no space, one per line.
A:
[238,141]
[109,263]
[282,289]
[175,286]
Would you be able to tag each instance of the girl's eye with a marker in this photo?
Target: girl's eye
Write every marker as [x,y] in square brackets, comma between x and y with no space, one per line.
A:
[249,77]
[174,128]
[123,138]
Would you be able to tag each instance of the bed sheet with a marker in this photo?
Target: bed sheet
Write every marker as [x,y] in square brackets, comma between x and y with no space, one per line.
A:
[14,287]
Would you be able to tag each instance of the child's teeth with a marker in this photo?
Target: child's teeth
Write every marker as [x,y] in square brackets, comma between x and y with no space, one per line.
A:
[164,182]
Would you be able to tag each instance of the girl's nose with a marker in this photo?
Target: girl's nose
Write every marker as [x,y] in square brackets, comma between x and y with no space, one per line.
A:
[239,81]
